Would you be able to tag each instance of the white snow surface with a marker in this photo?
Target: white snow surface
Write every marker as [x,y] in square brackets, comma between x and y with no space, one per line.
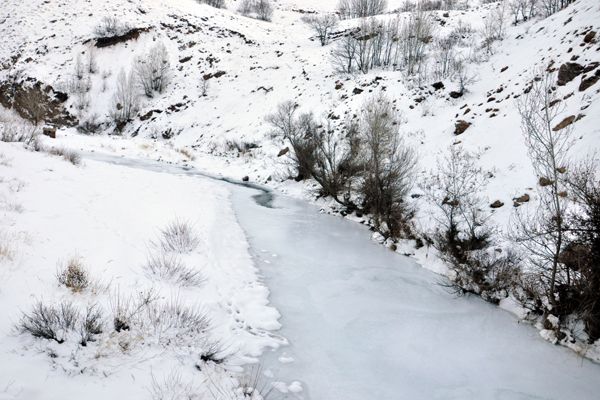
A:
[107,216]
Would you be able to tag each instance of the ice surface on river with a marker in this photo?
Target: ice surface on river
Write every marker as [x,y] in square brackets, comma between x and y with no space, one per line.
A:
[367,324]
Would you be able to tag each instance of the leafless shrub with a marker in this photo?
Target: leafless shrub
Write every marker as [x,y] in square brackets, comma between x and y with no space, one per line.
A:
[444,64]
[582,255]
[172,387]
[344,54]
[91,324]
[126,310]
[125,102]
[32,103]
[454,189]
[91,63]
[392,44]
[543,234]
[7,250]
[213,351]
[73,275]
[323,25]
[214,3]
[50,322]
[246,7]
[415,34]
[170,267]
[389,167]
[178,237]
[182,319]
[153,70]
[360,8]
[68,155]
[12,130]
[260,9]
[487,273]
[204,86]
[239,146]
[89,125]
[494,27]
[264,10]
[110,27]
[550,7]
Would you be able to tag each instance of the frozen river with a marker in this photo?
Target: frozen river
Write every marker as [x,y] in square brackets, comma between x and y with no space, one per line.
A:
[365,323]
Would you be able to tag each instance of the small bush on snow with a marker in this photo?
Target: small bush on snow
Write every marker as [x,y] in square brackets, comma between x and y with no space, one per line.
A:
[170,267]
[153,70]
[91,324]
[178,237]
[174,315]
[73,275]
[172,387]
[260,9]
[68,155]
[7,251]
[50,322]
[110,27]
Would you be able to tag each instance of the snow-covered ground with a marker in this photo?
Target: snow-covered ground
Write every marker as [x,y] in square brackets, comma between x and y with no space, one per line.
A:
[108,217]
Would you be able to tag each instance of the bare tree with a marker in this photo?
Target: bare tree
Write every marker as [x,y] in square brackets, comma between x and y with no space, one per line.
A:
[543,234]
[214,3]
[361,8]
[344,54]
[415,34]
[444,58]
[550,7]
[323,25]
[455,189]
[264,10]
[462,232]
[388,167]
[110,27]
[91,64]
[318,152]
[125,101]
[299,131]
[153,70]
[583,254]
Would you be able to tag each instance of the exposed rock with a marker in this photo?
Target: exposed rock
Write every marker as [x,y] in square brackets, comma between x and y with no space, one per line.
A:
[50,132]
[496,204]
[589,37]
[564,123]
[112,40]
[217,74]
[36,102]
[460,126]
[283,152]
[567,72]
[545,181]
[522,199]
[185,59]
[455,95]
[338,85]
[591,66]
[246,178]
[587,82]
[438,85]
[357,91]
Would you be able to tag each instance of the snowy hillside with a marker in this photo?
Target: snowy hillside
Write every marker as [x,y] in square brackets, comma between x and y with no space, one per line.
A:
[74,69]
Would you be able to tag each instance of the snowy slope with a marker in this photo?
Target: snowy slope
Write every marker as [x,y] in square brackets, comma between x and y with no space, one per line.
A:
[266,63]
